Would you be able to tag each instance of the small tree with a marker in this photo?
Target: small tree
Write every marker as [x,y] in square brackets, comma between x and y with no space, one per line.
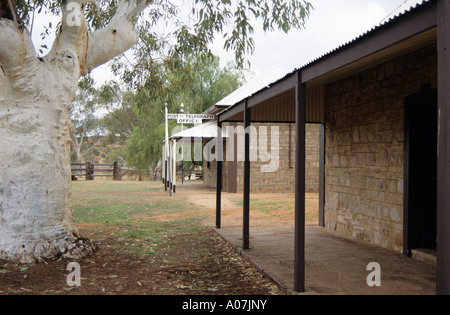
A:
[199,83]
[86,124]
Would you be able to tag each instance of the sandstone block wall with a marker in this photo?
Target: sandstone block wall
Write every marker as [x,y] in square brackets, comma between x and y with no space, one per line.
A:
[364,168]
[282,180]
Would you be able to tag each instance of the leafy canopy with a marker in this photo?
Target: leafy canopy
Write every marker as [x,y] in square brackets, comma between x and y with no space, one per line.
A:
[187,27]
[198,89]
[173,62]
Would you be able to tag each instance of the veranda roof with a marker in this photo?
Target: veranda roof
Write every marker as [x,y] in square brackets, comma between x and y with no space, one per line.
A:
[204,131]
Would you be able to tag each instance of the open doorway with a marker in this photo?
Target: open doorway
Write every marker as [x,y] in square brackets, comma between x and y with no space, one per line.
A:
[420,171]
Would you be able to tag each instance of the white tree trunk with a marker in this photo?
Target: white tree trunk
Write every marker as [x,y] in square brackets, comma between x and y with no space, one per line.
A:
[36,220]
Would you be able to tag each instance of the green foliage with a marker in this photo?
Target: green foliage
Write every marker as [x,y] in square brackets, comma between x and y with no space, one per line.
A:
[98,13]
[28,8]
[210,83]
[121,120]
[138,117]
[87,130]
[173,62]
[199,83]
[188,28]
[235,20]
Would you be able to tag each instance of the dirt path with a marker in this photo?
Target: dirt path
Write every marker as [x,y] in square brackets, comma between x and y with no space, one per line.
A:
[266,210]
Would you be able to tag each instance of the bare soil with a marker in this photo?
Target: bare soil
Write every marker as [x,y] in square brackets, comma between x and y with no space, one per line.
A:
[196,263]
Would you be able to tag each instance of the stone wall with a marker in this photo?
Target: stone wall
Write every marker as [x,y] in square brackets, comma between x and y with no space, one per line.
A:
[365,147]
[283,179]
[210,172]
[312,157]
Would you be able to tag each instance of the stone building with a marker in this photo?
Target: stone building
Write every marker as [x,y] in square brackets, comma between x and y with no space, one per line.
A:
[383,101]
[364,168]
[281,180]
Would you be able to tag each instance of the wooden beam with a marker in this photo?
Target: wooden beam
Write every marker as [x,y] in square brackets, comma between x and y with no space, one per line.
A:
[322,176]
[232,111]
[443,198]
[174,166]
[219,176]
[300,175]
[280,87]
[246,202]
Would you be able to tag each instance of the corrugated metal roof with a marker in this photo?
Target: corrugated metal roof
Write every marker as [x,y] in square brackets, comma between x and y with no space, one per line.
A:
[240,96]
[256,84]
[204,131]
[387,21]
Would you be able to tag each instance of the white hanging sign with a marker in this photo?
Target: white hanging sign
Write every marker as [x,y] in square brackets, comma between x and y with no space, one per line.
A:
[196,117]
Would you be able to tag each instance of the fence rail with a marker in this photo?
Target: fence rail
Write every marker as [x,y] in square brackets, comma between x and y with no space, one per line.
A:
[91,170]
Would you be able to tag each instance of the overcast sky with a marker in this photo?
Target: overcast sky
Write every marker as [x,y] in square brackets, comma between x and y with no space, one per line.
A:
[331,24]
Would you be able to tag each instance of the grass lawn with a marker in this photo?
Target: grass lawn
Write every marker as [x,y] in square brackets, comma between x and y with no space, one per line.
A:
[148,244]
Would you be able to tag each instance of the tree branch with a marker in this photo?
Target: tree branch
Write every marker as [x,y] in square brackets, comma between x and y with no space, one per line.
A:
[16,47]
[15,41]
[117,37]
[8,11]
[73,35]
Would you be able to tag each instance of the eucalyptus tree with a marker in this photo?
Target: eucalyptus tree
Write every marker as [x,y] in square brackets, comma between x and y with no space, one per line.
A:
[36,93]
[198,83]
[86,132]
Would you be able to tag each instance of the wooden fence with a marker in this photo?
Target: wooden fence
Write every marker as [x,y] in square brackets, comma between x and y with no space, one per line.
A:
[89,171]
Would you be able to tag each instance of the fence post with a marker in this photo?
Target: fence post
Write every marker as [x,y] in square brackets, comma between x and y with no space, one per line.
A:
[89,171]
[116,172]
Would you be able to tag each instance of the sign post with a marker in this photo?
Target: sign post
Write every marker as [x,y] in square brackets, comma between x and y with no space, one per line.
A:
[182,149]
[167,149]
[181,119]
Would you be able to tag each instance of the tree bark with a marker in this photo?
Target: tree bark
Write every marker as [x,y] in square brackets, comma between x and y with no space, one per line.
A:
[36,219]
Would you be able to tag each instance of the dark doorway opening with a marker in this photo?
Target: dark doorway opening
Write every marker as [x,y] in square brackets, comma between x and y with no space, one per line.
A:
[420,197]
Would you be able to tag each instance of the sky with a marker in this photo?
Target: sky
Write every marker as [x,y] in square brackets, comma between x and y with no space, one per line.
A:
[331,24]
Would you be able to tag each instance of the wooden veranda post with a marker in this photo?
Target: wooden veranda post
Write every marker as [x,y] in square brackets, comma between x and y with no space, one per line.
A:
[246,219]
[443,196]
[300,171]
[219,176]
[174,166]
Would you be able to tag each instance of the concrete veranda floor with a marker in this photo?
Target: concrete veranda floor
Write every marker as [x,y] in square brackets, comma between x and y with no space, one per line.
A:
[335,264]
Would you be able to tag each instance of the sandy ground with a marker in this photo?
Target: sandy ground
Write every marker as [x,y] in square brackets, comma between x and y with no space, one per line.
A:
[266,210]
